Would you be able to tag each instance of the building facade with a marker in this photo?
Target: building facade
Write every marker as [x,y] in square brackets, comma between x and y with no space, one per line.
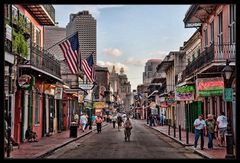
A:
[35,69]
[218,33]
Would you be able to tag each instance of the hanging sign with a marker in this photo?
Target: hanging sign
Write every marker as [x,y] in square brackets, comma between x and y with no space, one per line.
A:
[25,81]
[209,86]
[58,93]
[185,93]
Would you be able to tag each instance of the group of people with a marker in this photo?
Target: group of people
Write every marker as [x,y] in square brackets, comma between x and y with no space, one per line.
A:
[154,119]
[214,129]
[116,119]
[84,121]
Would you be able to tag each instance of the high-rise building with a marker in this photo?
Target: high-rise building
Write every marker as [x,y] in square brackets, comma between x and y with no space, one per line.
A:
[150,69]
[85,25]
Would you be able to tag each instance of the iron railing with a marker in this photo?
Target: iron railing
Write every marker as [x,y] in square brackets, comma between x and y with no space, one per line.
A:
[214,53]
[44,60]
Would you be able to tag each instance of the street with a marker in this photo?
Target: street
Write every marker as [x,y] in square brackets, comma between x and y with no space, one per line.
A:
[145,143]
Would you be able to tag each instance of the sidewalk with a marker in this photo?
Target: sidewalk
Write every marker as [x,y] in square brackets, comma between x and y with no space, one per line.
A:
[46,145]
[216,153]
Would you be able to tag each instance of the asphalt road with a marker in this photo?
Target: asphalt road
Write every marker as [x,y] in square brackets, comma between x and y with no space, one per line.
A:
[145,143]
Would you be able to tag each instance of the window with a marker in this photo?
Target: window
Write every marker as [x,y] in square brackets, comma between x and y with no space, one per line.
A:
[198,53]
[38,37]
[212,32]
[149,68]
[189,61]
[220,30]
[193,57]
[205,38]
[7,11]
[14,14]
[232,24]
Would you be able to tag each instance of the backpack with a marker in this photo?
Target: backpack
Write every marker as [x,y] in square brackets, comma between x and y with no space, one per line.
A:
[119,119]
[128,124]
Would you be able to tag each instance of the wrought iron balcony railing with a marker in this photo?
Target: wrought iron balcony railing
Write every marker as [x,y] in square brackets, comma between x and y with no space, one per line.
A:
[44,60]
[214,53]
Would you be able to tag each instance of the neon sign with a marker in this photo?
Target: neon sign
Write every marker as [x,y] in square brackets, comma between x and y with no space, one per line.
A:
[209,86]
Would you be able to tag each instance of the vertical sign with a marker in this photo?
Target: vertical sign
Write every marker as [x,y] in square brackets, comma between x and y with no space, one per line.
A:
[8,32]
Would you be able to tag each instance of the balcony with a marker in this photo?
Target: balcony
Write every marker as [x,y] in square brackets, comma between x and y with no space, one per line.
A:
[43,61]
[213,54]
[45,14]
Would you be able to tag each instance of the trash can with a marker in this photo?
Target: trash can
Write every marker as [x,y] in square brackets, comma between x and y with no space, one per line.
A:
[73,130]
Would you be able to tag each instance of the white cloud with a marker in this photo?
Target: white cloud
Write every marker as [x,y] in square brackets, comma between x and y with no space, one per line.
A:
[158,55]
[135,62]
[109,65]
[112,52]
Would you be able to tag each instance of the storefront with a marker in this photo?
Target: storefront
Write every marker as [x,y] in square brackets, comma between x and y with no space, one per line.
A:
[183,94]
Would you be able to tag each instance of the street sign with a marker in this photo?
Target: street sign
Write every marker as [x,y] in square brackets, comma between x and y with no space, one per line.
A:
[86,86]
[8,32]
[228,94]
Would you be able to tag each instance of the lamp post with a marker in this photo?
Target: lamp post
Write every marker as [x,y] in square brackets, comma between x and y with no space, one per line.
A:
[227,73]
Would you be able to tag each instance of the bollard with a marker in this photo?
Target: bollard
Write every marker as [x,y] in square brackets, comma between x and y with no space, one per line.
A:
[187,136]
[9,142]
[168,129]
[174,131]
[180,132]
[229,147]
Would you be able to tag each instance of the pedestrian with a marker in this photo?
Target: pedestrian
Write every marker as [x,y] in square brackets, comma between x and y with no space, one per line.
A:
[83,122]
[93,119]
[30,135]
[99,123]
[161,120]
[200,126]
[127,129]
[119,121]
[114,119]
[222,128]
[211,126]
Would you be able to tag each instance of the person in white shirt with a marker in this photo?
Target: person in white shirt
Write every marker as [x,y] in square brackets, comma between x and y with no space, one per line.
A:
[200,126]
[222,128]
[83,121]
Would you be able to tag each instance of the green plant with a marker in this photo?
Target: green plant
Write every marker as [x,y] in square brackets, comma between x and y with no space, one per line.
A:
[20,44]
[22,24]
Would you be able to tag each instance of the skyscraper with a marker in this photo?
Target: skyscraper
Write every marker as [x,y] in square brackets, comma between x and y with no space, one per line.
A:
[150,69]
[85,25]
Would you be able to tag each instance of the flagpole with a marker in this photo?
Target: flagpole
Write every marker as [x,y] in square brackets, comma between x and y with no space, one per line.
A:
[60,41]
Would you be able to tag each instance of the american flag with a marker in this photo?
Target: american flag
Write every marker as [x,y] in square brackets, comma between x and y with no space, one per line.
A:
[87,66]
[70,49]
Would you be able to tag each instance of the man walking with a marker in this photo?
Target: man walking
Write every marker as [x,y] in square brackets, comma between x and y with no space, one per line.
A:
[200,126]
[222,127]
[99,123]
[210,122]
[114,119]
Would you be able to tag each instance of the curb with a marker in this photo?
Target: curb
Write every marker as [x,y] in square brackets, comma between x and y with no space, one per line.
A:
[178,141]
[203,154]
[44,154]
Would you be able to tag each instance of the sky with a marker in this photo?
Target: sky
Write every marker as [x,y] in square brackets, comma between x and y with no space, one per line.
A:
[129,35]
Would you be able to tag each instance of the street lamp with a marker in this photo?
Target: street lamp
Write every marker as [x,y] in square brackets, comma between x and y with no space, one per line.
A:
[227,73]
